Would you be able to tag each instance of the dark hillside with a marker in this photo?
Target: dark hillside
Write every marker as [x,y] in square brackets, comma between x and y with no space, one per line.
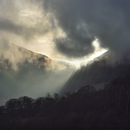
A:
[87,108]
[100,71]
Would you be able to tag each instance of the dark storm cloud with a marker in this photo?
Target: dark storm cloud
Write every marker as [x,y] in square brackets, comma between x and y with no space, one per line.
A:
[83,20]
[74,48]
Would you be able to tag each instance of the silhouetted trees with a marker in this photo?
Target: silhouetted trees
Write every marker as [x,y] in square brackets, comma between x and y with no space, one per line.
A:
[85,108]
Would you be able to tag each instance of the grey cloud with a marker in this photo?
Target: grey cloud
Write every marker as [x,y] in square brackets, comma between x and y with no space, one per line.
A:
[9,26]
[27,33]
[74,48]
[108,20]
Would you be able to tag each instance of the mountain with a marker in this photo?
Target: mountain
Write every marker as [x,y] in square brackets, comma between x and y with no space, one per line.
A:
[16,57]
[26,73]
[97,73]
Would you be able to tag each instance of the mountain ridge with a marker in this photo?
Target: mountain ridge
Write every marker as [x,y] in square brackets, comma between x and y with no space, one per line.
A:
[100,71]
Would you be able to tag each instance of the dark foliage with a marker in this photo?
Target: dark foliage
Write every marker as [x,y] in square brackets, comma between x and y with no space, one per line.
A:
[107,109]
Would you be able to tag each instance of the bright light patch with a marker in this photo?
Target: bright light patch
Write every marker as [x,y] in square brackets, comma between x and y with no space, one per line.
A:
[77,63]
[98,52]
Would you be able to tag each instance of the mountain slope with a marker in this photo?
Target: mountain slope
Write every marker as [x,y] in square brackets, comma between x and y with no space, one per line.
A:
[97,73]
[16,56]
[26,73]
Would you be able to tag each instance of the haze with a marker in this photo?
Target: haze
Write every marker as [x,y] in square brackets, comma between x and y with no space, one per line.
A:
[69,32]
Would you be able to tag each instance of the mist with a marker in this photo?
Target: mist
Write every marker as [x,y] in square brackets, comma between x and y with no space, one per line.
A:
[61,29]
[32,83]
[26,73]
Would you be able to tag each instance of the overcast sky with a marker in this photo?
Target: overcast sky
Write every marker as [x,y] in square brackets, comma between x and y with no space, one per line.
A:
[66,28]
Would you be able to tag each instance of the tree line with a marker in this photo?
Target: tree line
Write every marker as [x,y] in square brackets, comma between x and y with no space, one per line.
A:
[86,108]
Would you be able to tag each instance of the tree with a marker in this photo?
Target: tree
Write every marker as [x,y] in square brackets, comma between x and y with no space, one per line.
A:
[26,102]
[11,105]
[56,96]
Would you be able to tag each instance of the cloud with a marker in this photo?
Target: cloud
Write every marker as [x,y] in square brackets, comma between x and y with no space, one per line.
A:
[82,21]
[69,27]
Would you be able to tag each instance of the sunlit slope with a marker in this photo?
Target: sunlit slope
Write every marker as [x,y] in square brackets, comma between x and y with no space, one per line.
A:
[100,71]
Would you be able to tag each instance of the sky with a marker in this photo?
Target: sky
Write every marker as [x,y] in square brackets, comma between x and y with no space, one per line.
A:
[66,29]
[69,31]
[29,24]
